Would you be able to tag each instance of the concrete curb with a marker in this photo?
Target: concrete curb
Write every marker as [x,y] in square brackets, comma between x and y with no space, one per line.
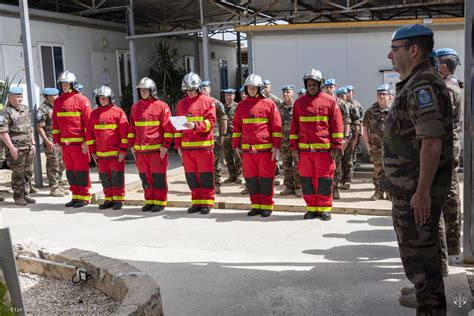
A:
[137,292]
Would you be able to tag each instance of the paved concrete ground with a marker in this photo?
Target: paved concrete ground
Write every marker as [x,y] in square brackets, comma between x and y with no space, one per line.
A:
[229,264]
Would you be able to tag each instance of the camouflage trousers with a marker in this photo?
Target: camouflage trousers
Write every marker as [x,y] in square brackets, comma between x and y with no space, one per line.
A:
[54,167]
[347,164]
[376,158]
[22,172]
[290,169]
[233,162]
[217,161]
[2,153]
[420,252]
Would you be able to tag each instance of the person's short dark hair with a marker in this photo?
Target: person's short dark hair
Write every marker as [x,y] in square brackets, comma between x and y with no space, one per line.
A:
[425,43]
[451,61]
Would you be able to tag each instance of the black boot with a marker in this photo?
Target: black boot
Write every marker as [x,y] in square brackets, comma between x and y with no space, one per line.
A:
[325,216]
[194,209]
[157,208]
[266,213]
[106,205]
[79,203]
[70,203]
[117,206]
[147,208]
[311,215]
[254,212]
[205,210]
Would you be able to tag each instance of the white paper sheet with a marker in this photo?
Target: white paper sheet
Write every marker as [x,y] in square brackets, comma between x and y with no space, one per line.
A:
[178,122]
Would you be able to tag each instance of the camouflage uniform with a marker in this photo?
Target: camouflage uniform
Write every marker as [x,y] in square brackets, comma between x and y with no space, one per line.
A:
[290,168]
[374,121]
[277,101]
[422,108]
[450,225]
[355,114]
[2,147]
[346,120]
[233,162]
[54,159]
[220,116]
[17,123]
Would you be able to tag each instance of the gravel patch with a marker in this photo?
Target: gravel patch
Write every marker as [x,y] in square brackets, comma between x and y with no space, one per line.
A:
[49,296]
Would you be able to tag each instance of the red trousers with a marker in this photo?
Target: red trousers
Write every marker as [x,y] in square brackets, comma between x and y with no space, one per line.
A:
[317,172]
[77,171]
[112,177]
[152,171]
[199,170]
[259,173]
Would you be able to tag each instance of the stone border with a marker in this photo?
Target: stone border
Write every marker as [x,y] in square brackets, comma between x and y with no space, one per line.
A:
[136,291]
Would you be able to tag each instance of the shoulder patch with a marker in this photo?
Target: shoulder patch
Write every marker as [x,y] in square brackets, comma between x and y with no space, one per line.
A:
[2,119]
[39,115]
[425,98]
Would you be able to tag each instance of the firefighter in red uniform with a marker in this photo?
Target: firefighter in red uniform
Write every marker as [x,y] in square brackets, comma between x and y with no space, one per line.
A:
[195,144]
[106,136]
[316,137]
[71,113]
[150,136]
[256,135]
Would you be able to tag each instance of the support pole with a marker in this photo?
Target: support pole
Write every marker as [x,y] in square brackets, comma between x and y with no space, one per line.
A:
[131,47]
[239,62]
[205,45]
[250,53]
[30,83]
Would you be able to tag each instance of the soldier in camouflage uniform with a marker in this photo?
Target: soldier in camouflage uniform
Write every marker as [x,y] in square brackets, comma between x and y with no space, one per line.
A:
[54,159]
[450,225]
[346,120]
[355,114]
[17,134]
[267,92]
[220,129]
[373,126]
[2,148]
[290,168]
[233,161]
[418,158]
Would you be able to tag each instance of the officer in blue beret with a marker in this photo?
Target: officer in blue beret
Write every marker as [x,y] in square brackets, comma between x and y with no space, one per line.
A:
[243,95]
[232,161]
[330,87]
[301,92]
[418,163]
[267,92]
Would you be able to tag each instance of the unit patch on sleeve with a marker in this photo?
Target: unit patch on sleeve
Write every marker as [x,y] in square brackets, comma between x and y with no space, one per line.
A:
[425,98]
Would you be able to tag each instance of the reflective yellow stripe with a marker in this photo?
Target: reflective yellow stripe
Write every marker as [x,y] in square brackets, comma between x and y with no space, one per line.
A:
[72,140]
[178,135]
[198,144]
[151,202]
[195,118]
[266,207]
[255,120]
[206,202]
[277,135]
[131,135]
[147,123]
[257,146]
[168,135]
[81,197]
[106,153]
[236,135]
[256,206]
[313,118]
[108,198]
[56,131]
[319,208]
[147,147]
[105,126]
[91,142]
[124,141]
[208,125]
[294,136]
[314,146]
[337,135]
[162,203]
[69,114]
[118,198]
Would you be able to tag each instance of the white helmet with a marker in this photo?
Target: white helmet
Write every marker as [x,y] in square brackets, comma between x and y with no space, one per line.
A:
[147,83]
[68,77]
[191,81]
[313,74]
[253,80]
[104,91]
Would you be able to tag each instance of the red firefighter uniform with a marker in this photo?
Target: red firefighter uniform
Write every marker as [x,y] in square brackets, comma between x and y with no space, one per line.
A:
[256,130]
[107,132]
[71,113]
[150,128]
[197,146]
[316,127]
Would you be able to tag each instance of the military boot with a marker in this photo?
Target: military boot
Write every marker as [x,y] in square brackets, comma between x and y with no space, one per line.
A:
[29,200]
[230,179]
[147,207]
[106,205]
[325,216]
[408,300]
[346,186]
[157,208]
[265,213]
[194,209]
[205,210]
[21,202]
[311,215]
[298,192]
[335,194]
[377,196]
[117,206]
[407,290]
[245,191]
[56,192]
[254,212]
[287,191]
[238,180]
[33,189]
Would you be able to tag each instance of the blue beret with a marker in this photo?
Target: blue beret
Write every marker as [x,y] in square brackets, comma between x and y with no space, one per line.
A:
[287,87]
[266,82]
[15,90]
[242,90]
[50,91]
[330,82]
[349,88]
[383,87]
[342,90]
[446,52]
[302,91]
[205,83]
[409,31]
[229,91]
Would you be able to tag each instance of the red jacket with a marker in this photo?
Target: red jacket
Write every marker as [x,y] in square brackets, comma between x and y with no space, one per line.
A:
[316,123]
[107,131]
[150,126]
[202,112]
[256,125]
[71,112]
